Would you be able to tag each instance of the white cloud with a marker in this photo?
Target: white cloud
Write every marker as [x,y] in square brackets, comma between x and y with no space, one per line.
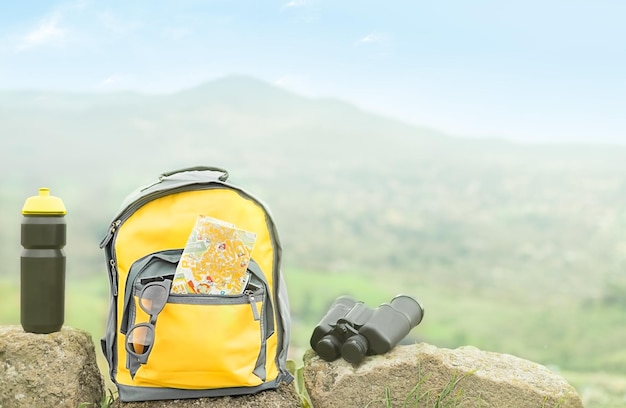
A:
[374,38]
[116,82]
[48,32]
[287,81]
[109,81]
[294,83]
[295,3]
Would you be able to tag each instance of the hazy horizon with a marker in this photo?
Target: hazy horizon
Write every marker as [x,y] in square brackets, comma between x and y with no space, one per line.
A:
[534,72]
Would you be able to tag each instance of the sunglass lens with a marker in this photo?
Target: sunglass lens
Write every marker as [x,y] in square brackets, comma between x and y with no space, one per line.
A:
[153,298]
[140,339]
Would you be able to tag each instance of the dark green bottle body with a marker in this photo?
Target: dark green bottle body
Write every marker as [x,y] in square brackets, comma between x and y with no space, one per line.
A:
[42,270]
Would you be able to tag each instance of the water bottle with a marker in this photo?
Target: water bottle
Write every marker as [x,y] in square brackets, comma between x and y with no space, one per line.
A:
[42,264]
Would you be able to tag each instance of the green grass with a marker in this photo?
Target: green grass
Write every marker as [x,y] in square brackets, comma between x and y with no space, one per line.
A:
[108,398]
[298,383]
[451,396]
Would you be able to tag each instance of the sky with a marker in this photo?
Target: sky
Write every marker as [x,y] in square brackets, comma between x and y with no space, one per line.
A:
[548,71]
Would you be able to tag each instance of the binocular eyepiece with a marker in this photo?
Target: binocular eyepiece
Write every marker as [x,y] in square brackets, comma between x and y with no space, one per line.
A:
[353,330]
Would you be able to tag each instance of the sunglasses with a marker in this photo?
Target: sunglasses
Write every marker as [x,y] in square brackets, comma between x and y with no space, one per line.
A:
[140,337]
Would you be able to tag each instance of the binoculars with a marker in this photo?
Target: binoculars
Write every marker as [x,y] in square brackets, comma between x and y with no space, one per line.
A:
[353,330]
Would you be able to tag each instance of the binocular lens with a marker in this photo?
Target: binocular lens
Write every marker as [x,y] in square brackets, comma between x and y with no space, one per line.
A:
[408,307]
[328,348]
[354,349]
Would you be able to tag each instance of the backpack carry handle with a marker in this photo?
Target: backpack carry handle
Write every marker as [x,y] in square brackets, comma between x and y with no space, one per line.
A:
[223,177]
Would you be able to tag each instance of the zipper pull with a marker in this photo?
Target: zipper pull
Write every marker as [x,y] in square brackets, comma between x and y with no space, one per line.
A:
[113,277]
[108,237]
[252,301]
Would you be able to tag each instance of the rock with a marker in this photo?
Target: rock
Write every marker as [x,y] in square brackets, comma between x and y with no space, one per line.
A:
[60,370]
[48,370]
[284,396]
[421,375]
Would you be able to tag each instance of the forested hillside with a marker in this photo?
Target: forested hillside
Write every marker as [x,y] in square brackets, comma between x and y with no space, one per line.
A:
[349,189]
[514,248]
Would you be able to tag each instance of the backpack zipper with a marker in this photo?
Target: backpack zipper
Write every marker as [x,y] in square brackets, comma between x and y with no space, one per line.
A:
[255,312]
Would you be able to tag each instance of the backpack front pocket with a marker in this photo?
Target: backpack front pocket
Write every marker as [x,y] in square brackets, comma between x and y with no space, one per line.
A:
[201,341]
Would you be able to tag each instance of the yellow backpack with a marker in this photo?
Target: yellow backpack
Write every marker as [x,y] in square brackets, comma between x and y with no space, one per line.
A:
[212,324]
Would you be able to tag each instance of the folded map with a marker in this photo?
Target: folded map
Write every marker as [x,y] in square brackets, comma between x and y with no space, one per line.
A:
[215,259]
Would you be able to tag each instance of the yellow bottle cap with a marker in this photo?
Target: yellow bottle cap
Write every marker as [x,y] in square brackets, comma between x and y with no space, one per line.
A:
[44,203]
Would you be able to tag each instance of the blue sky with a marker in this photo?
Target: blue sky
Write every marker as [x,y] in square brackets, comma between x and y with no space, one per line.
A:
[535,71]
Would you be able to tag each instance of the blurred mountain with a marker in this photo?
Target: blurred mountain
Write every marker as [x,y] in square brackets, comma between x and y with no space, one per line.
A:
[351,190]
